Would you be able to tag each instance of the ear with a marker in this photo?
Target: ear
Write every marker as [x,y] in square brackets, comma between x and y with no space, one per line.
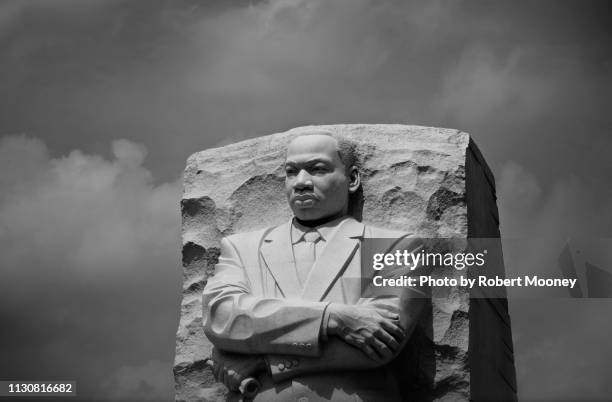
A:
[354,179]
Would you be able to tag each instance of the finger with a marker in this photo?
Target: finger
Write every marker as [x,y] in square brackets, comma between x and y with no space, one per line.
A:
[216,369]
[387,339]
[232,380]
[363,346]
[395,330]
[222,376]
[369,351]
[380,348]
[389,315]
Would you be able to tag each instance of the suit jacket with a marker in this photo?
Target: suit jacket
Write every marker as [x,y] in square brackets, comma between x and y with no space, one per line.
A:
[254,304]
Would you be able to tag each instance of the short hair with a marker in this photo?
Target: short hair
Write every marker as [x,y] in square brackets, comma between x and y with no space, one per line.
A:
[347,149]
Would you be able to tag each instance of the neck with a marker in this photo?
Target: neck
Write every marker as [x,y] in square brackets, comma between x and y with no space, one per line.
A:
[318,222]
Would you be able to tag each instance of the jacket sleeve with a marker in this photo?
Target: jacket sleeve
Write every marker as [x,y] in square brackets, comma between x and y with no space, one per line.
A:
[237,321]
[408,302]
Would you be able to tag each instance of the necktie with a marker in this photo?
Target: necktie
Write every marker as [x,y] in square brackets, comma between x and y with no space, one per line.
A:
[305,252]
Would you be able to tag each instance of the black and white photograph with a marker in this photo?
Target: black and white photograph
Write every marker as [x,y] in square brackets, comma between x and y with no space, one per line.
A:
[305,200]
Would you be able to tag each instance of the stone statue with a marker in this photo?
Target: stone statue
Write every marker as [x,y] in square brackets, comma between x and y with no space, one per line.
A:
[431,182]
[281,307]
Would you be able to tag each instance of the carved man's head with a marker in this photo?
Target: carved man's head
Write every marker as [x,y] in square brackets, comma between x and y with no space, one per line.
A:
[321,173]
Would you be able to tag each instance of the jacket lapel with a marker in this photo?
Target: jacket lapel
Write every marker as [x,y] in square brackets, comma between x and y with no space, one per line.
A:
[335,257]
[277,254]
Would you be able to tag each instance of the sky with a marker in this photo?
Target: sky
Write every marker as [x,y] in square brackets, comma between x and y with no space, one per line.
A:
[102,101]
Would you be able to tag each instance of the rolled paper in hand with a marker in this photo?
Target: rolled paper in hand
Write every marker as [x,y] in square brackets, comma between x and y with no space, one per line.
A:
[249,387]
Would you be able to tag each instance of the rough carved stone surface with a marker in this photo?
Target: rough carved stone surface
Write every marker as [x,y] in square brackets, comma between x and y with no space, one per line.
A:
[414,179]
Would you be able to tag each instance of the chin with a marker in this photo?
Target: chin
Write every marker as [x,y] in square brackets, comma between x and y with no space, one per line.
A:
[307,214]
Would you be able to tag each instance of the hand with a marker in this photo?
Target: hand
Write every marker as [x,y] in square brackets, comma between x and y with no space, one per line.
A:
[232,368]
[376,332]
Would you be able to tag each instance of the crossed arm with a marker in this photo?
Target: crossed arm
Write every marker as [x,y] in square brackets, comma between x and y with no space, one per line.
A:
[365,335]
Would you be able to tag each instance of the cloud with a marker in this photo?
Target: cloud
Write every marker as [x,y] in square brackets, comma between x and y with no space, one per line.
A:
[23,160]
[560,346]
[145,382]
[567,207]
[183,76]
[9,12]
[538,221]
[90,261]
[483,85]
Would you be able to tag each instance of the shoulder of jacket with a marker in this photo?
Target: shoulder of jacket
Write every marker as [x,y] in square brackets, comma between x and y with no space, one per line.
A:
[238,239]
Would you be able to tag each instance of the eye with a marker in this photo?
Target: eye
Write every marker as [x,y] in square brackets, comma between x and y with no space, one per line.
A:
[290,171]
[319,169]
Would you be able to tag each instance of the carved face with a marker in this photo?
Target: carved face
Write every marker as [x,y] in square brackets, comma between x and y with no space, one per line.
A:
[317,182]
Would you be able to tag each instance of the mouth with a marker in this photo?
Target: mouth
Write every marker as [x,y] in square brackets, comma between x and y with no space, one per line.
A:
[304,197]
[304,200]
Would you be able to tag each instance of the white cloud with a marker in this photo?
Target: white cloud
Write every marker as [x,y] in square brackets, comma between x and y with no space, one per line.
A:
[90,254]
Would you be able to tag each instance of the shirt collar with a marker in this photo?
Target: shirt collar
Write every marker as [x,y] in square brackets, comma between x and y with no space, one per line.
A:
[326,230]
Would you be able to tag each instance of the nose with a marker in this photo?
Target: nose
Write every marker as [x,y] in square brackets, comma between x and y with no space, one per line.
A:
[303,180]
